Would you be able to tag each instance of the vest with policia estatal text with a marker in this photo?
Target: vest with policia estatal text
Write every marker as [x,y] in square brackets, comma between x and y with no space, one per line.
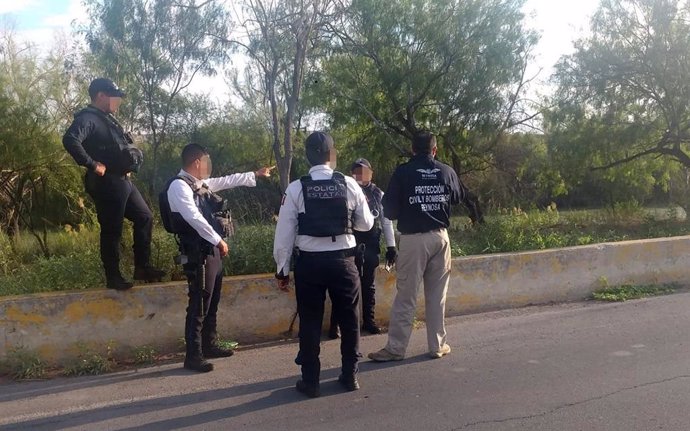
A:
[325,207]
[212,206]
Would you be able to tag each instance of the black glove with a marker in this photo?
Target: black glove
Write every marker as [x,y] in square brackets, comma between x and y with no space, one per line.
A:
[391,256]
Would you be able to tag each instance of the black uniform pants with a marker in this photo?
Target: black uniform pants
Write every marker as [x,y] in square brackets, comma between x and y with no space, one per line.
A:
[202,309]
[367,271]
[314,276]
[116,198]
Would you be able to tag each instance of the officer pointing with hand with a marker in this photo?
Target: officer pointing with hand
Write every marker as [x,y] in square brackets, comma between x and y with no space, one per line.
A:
[191,209]
[317,219]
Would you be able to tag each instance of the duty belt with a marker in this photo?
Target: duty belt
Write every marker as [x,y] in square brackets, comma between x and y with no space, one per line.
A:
[332,254]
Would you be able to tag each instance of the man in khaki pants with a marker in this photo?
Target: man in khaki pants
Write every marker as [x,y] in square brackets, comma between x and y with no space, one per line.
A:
[419,197]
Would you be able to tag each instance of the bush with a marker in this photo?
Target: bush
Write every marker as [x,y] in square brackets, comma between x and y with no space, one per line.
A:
[20,364]
[90,363]
[75,263]
[251,250]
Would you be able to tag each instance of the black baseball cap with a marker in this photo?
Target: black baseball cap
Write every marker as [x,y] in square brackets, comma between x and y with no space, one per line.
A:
[360,163]
[106,86]
[319,143]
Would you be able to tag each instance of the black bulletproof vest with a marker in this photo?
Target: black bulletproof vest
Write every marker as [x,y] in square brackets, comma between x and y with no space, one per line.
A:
[212,206]
[129,157]
[374,196]
[325,207]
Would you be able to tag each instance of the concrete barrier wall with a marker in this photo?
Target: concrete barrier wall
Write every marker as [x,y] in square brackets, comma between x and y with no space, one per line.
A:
[60,325]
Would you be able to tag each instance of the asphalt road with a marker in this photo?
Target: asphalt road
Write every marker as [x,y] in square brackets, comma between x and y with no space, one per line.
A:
[566,367]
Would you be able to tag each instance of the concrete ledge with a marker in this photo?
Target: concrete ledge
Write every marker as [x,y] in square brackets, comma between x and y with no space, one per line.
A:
[252,309]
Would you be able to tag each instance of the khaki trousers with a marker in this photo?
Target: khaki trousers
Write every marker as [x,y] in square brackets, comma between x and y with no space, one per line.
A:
[423,258]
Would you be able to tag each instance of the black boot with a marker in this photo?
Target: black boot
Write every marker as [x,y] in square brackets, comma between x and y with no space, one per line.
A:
[308,389]
[117,282]
[215,351]
[148,274]
[371,328]
[349,382]
[197,363]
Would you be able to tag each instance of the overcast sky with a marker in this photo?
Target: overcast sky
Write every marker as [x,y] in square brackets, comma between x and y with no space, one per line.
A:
[560,22]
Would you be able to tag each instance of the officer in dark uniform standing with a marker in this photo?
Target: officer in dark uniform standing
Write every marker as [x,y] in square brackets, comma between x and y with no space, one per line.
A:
[363,173]
[317,219]
[97,141]
[192,210]
[419,196]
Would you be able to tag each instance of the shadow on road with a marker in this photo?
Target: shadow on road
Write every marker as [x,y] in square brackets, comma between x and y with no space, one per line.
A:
[281,392]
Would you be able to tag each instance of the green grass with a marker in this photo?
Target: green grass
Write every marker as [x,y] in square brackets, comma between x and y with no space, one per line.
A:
[145,355]
[627,292]
[539,230]
[75,263]
[90,362]
[21,364]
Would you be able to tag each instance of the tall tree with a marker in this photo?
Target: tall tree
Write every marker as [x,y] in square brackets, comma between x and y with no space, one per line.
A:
[280,37]
[457,67]
[631,79]
[34,173]
[157,47]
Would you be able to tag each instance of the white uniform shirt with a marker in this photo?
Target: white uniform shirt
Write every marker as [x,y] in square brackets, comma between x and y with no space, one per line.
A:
[293,203]
[181,199]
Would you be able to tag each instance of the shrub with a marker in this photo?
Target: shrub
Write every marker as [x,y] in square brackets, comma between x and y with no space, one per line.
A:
[20,363]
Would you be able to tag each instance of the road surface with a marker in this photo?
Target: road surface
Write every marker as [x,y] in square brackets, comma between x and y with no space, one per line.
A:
[586,366]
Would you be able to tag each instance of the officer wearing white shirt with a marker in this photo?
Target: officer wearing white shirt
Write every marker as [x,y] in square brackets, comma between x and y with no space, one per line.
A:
[189,197]
[317,218]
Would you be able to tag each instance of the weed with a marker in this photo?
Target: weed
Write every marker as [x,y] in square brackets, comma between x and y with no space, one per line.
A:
[627,292]
[145,355]
[20,364]
[228,344]
[90,363]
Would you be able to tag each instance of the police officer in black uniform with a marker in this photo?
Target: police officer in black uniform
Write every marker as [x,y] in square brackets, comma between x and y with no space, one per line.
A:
[362,172]
[97,141]
[191,209]
[317,219]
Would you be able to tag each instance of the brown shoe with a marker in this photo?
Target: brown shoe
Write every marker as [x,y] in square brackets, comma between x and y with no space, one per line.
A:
[445,350]
[384,355]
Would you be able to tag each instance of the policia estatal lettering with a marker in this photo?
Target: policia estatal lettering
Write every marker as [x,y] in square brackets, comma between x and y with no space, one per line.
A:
[318,215]
[200,219]
[97,141]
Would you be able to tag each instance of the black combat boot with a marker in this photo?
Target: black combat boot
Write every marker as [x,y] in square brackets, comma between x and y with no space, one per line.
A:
[308,389]
[209,343]
[197,363]
[114,280]
[349,382]
[148,274]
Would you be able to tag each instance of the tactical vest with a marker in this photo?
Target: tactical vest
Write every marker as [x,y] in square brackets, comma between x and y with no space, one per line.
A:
[325,207]
[374,196]
[130,157]
[211,205]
